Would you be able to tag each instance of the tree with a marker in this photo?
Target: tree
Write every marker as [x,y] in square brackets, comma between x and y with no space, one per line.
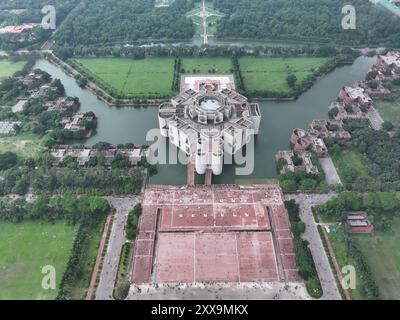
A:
[8,160]
[388,126]
[291,80]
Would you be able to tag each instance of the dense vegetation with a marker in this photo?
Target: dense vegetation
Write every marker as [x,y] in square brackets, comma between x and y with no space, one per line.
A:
[131,228]
[19,174]
[379,154]
[304,259]
[318,20]
[69,208]
[29,11]
[99,22]
[381,206]
[105,21]
[301,180]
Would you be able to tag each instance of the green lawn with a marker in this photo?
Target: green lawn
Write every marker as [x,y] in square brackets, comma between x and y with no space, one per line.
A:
[389,110]
[343,258]
[8,68]
[269,74]
[381,250]
[220,65]
[24,249]
[136,78]
[152,77]
[24,144]
[349,165]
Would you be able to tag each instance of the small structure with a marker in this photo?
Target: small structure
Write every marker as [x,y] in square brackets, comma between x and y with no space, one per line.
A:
[302,141]
[349,112]
[31,77]
[18,29]
[7,127]
[358,222]
[83,155]
[78,123]
[319,147]
[360,114]
[355,95]
[332,128]
[379,92]
[390,60]
[305,162]
[62,104]
[41,91]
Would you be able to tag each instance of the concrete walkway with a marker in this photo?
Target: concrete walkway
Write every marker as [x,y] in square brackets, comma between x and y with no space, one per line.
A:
[117,239]
[331,175]
[326,276]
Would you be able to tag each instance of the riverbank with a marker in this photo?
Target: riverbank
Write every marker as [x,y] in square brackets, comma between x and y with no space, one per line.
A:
[124,125]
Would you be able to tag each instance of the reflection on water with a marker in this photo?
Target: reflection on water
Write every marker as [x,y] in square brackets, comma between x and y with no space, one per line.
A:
[122,125]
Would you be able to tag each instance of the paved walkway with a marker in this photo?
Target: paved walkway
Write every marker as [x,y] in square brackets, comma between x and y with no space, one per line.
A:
[117,239]
[220,291]
[331,175]
[92,285]
[326,276]
[334,261]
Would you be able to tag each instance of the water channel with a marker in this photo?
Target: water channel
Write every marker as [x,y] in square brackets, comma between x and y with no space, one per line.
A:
[123,125]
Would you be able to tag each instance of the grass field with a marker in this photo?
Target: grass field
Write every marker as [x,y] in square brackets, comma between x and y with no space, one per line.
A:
[8,68]
[24,144]
[219,65]
[381,250]
[269,74]
[88,259]
[24,249]
[389,110]
[152,77]
[349,165]
[136,78]
[343,258]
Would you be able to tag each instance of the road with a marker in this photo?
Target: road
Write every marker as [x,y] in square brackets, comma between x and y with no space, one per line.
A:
[117,239]
[306,201]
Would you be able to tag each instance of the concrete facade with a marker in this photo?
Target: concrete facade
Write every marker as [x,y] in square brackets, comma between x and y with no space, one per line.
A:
[209,119]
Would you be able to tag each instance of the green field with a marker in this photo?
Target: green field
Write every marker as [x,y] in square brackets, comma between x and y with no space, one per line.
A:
[24,144]
[24,249]
[269,74]
[389,110]
[343,258]
[219,65]
[381,250]
[152,77]
[349,165]
[136,78]
[8,68]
